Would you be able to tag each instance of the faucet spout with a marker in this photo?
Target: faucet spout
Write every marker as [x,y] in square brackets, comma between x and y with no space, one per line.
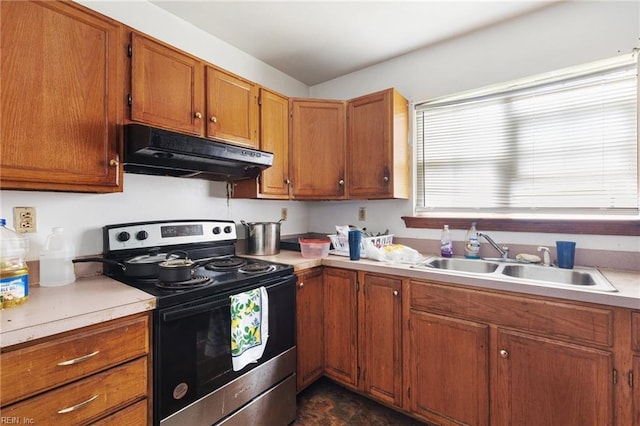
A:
[504,251]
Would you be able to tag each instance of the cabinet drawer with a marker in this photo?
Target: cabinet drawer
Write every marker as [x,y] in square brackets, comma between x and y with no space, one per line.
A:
[33,369]
[135,414]
[87,399]
[635,331]
[561,320]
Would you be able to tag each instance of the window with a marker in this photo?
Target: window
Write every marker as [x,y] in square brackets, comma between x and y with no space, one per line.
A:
[560,143]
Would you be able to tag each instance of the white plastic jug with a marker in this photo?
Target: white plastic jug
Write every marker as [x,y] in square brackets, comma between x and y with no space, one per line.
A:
[56,268]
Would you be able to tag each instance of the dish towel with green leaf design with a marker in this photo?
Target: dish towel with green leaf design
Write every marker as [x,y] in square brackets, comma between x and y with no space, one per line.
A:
[249,326]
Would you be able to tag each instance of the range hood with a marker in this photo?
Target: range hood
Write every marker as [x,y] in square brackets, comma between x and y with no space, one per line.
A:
[153,151]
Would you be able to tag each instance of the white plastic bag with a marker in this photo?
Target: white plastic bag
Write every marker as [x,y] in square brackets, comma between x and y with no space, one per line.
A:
[394,253]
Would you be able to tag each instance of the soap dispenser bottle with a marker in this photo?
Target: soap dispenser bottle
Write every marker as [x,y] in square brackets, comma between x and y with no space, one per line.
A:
[446,245]
[472,244]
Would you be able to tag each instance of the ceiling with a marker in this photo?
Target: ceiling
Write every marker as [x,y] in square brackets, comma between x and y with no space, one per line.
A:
[317,41]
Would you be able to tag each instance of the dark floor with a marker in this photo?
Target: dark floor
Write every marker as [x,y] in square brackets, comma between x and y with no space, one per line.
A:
[325,403]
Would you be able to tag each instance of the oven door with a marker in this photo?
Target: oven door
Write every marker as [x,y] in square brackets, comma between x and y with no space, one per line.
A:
[193,344]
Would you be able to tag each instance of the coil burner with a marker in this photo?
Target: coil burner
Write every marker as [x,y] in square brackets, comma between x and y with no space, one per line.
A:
[196,281]
[225,263]
[256,268]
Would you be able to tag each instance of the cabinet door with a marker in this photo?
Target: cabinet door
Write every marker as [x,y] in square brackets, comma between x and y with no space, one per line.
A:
[59,90]
[545,382]
[318,149]
[167,86]
[340,325]
[448,369]
[232,108]
[310,333]
[274,137]
[636,391]
[377,142]
[381,338]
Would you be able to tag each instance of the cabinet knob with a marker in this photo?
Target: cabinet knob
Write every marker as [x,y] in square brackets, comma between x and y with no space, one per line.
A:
[395,292]
[114,163]
[504,353]
[385,179]
[213,119]
[301,285]
[198,115]
[287,181]
[341,182]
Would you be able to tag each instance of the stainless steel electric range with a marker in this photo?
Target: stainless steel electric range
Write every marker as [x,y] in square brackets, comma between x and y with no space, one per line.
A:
[193,379]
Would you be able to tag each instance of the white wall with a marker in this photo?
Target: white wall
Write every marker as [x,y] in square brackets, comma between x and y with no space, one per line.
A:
[153,197]
[562,35]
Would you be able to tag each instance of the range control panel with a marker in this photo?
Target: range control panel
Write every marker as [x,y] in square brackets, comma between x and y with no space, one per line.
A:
[163,233]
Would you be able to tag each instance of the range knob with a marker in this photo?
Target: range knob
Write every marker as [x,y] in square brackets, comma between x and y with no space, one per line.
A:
[216,230]
[123,236]
[227,229]
[142,235]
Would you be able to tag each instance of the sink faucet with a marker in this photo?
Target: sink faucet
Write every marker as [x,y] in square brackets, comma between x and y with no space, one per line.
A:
[504,251]
[546,256]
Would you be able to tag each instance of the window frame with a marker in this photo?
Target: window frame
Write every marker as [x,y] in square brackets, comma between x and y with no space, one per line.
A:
[605,224]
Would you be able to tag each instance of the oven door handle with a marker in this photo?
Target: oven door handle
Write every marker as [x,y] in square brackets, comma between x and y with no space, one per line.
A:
[193,310]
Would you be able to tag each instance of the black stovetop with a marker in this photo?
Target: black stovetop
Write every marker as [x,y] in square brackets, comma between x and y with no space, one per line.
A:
[207,282]
[210,243]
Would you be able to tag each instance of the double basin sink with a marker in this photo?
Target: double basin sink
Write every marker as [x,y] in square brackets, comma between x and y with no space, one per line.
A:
[578,278]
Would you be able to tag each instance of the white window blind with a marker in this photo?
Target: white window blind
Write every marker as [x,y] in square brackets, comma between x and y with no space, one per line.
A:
[563,142]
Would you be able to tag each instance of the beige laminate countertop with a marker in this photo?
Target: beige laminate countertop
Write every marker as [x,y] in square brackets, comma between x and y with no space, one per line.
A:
[53,310]
[627,283]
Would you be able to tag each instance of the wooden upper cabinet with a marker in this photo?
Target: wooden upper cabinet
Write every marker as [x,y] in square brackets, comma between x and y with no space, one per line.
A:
[318,149]
[378,150]
[273,183]
[232,108]
[274,137]
[167,86]
[60,86]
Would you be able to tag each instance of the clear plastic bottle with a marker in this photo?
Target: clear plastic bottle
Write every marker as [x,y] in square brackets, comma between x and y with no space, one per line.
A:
[56,266]
[472,243]
[446,245]
[14,273]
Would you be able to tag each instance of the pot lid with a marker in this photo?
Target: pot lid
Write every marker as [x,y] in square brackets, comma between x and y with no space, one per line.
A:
[151,258]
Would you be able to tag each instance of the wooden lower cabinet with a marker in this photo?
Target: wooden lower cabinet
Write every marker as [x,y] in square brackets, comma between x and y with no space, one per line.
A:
[363,333]
[94,374]
[545,382]
[309,327]
[635,373]
[341,325]
[482,357]
[448,369]
[633,377]
[380,337]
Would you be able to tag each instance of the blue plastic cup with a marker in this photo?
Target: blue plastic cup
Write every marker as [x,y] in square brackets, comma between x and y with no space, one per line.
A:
[566,253]
[355,240]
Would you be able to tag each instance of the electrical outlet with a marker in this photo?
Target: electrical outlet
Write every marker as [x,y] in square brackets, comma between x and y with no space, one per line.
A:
[24,219]
[283,214]
[362,214]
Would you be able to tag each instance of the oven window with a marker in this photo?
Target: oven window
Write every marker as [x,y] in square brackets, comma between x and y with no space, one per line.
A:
[213,348]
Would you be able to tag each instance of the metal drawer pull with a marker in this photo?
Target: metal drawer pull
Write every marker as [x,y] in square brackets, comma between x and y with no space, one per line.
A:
[504,353]
[79,359]
[75,407]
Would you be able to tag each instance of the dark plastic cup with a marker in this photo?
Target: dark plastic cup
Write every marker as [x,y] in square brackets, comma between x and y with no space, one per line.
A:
[355,240]
[566,254]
